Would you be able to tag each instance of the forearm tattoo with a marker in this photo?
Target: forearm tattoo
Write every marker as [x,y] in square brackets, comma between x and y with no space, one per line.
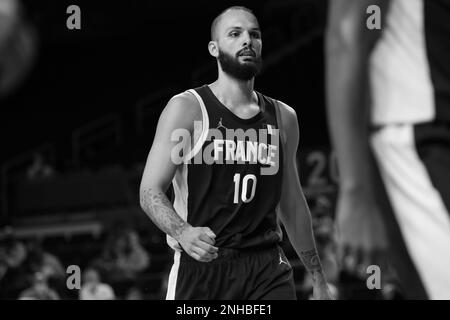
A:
[158,207]
[311,261]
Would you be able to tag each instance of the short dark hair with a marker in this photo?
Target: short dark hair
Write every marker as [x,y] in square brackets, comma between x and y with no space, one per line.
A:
[219,16]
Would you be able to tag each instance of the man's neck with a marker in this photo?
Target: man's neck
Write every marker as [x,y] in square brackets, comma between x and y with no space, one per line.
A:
[233,92]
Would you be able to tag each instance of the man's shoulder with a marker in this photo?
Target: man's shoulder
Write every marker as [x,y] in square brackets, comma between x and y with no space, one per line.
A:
[185,100]
[287,113]
[182,110]
[284,108]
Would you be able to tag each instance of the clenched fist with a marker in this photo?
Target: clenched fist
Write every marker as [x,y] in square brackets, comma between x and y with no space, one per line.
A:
[198,242]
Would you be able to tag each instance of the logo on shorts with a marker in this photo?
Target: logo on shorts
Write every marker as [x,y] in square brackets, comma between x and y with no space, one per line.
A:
[281,261]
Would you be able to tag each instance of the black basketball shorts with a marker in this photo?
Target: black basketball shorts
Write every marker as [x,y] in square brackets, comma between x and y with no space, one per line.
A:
[263,274]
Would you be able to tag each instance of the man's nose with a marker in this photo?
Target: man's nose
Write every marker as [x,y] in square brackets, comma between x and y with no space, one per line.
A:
[247,40]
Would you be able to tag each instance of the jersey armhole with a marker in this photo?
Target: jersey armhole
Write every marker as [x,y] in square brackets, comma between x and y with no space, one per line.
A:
[280,123]
[205,126]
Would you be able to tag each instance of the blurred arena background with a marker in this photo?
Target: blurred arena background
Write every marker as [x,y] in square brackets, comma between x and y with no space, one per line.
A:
[77,121]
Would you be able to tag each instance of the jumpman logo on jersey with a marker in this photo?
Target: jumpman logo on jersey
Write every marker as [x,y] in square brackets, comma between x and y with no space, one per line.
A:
[220,125]
[281,261]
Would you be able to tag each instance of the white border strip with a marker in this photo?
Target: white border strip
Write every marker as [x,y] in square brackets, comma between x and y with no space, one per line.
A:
[205,127]
[173,277]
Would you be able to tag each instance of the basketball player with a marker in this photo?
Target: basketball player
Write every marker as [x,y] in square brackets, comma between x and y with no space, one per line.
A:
[230,191]
[392,137]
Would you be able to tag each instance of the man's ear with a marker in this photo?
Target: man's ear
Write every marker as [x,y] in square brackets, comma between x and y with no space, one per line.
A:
[213,49]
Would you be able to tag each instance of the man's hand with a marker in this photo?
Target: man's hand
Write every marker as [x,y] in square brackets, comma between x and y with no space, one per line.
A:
[199,243]
[362,234]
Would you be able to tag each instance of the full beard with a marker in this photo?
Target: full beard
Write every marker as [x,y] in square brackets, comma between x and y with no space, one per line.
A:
[238,70]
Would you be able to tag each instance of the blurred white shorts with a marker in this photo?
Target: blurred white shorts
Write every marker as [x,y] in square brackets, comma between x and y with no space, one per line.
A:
[414,164]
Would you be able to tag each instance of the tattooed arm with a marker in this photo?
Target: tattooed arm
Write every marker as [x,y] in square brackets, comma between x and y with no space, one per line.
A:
[311,261]
[294,211]
[160,210]
[198,242]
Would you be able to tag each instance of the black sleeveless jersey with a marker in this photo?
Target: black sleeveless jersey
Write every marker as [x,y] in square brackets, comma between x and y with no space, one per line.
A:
[231,179]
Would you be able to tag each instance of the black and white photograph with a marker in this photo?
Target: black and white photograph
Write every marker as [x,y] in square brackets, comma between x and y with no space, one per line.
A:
[225,151]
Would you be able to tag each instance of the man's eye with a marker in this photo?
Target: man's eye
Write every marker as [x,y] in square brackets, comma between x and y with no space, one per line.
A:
[234,34]
[256,35]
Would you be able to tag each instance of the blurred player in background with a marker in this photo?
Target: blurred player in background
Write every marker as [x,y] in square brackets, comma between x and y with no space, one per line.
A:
[388,103]
[17,46]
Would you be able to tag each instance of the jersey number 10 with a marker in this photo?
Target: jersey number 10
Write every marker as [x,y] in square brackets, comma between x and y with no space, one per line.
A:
[245,180]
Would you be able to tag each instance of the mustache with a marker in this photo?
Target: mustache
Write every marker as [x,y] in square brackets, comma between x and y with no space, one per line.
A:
[246,50]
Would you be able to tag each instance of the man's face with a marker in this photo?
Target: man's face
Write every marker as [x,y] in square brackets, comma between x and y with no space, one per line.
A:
[239,44]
